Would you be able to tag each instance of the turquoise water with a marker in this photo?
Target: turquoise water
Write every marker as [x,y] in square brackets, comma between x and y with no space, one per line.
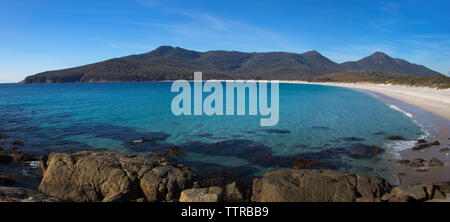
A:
[316,122]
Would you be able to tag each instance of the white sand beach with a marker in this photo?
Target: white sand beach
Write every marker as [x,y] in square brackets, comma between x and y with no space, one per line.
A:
[435,101]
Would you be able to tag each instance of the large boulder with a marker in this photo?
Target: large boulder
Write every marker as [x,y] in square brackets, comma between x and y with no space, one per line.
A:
[293,185]
[112,176]
[435,162]
[412,192]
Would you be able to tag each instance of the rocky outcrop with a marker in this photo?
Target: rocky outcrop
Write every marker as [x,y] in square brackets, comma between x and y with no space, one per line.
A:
[17,194]
[15,156]
[396,138]
[435,162]
[406,192]
[212,194]
[317,186]
[112,176]
[417,192]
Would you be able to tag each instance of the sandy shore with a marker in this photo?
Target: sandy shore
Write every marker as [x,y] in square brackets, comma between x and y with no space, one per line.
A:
[435,101]
[431,108]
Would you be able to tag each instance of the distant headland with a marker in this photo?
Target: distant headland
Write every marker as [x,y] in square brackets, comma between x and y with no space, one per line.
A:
[171,63]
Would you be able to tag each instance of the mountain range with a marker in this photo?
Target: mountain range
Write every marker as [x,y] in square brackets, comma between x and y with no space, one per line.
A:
[171,63]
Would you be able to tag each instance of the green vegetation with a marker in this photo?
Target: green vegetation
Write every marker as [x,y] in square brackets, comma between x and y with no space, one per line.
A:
[169,63]
[440,82]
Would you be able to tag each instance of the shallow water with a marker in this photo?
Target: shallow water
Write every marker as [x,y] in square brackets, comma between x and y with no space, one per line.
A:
[316,122]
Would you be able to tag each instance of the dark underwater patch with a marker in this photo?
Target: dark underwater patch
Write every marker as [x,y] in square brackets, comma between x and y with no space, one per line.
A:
[276,131]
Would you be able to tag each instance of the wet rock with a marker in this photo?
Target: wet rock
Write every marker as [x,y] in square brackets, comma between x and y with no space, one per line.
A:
[421,146]
[405,162]
[435,162]
[416,192]
[18,143]
[421,141]
[16,156]
[16,194]
[103,175]
[23,157]
[417,162]
[444,150]
[305,164]
[365,151]
[317,186]
[173,151]
[435,143]
[396,138]
[212,194]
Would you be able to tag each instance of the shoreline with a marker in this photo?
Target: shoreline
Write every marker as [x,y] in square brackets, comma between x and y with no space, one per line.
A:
[437,127]
[435,101]
[430,108]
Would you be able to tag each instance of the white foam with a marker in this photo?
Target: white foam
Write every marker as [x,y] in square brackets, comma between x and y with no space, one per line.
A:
[395,147]
[394,107]
[34,164]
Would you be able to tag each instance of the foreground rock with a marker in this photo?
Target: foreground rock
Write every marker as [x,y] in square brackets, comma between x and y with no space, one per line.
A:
[407,192]
[435,162]
[112,176]
[16,194]
[318,186]
[212,194]
[418,192]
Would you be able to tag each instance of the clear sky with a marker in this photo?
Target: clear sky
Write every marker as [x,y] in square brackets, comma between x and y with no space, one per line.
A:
[41,35]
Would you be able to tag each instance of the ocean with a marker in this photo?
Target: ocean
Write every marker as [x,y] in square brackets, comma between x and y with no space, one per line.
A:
[338,127]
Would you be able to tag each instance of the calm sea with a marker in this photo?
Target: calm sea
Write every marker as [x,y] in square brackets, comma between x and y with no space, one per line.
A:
[337,126]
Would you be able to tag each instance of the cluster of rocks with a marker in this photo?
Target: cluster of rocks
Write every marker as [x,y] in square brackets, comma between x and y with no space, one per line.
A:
[423,144]
[14,156]
[18,194]
[300,163]
[419,162]
[111,176]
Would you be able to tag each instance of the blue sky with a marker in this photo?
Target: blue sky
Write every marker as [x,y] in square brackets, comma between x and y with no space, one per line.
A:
[41,35]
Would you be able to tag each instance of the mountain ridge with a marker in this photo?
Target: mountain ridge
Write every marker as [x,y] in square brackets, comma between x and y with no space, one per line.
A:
[171,63]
